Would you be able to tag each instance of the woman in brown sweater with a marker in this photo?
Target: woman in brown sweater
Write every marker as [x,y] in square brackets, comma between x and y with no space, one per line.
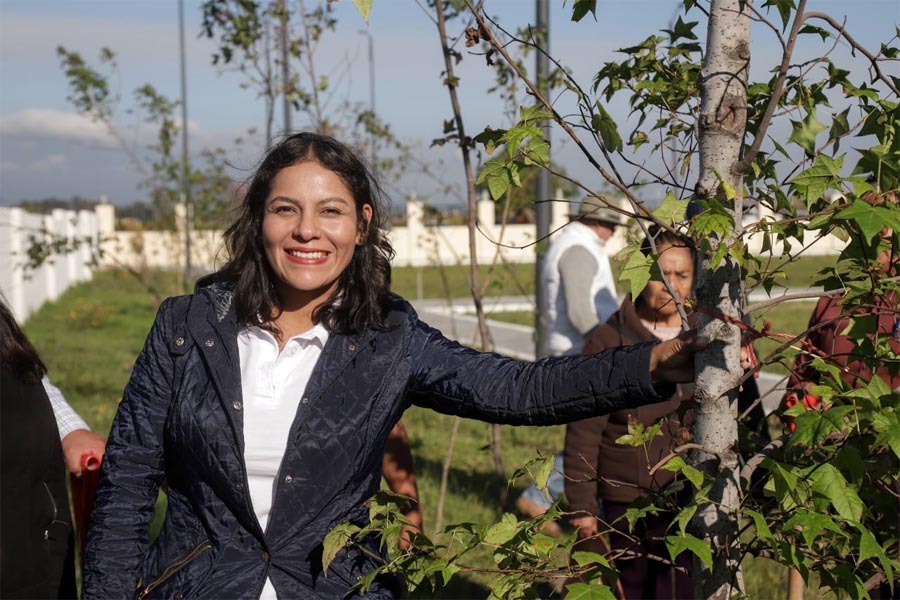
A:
[597,468]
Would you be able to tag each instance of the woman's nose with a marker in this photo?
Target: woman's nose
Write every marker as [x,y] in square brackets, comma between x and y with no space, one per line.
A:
[306,227]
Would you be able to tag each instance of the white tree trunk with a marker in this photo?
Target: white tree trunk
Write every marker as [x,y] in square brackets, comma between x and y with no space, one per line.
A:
[722,123]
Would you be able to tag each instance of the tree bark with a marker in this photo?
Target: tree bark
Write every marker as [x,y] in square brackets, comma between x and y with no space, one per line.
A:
[722,123]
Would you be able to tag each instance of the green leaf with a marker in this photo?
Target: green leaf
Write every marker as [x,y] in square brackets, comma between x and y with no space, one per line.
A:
[583,7]
[582,558]
[684,517]
[335,540]
[811,525]
[784,8]
[804,133]
[870,548]
[588,591]
[870,219]
[679,543]
[814,425]
[887,424]
[606,127]
[829,487]
[536,152]
[491,138]
[671,210]
[502,532]
[497,176]
[824,174]
[364,7]
[636,272]
[678,465]
[762,529]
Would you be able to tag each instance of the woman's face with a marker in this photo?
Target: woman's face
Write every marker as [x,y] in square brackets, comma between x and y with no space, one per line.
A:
[677,265]
[310,230]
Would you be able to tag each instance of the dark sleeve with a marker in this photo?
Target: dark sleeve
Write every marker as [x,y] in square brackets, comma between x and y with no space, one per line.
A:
[132,472]
[453,379]
[581,463]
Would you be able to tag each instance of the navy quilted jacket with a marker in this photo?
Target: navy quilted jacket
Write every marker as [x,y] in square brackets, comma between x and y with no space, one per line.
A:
[180,422]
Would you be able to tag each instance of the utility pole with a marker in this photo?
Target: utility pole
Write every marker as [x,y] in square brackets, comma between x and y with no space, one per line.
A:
[543,212]
[185,167]
[285,69]
[371,92]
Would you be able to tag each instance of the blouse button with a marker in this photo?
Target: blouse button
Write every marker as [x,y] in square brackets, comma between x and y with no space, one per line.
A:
[209,343]
[288,478]
[237,405]
[239,486]
[178,596]
[305,400]
[351,347]
[179,341]
[264,557]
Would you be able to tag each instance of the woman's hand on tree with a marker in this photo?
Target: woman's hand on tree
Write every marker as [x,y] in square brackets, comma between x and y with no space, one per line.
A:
[672,361]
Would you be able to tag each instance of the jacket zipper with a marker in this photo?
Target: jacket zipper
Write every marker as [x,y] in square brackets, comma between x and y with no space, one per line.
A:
[173,568]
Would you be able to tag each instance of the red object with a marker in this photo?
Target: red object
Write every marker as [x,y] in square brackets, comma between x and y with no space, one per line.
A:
[810,402]
[83,488]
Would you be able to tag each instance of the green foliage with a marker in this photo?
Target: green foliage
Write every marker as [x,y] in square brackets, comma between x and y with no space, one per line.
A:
[166,175]
[364,7]
[515,149]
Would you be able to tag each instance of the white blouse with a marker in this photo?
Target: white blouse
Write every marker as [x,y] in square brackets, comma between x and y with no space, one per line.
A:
[272,384]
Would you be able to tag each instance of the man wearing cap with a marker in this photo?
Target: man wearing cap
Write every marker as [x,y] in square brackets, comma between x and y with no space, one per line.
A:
[581,292]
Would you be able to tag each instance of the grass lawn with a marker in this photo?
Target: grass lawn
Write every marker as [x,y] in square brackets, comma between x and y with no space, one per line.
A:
[90,337]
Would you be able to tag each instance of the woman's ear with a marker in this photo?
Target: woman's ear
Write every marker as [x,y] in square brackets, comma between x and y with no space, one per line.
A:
[364,224]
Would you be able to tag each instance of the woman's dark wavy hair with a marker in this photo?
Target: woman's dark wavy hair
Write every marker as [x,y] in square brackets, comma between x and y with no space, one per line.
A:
[363,287]
[17,355]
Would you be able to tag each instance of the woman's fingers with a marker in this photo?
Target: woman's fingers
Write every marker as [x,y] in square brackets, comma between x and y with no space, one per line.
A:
[672,361]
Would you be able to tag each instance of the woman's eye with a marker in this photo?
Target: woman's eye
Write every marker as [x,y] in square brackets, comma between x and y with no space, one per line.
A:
[283,209]
[331,211]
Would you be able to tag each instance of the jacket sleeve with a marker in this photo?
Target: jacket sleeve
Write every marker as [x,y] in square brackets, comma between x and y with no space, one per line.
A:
[453,379]
[132,472]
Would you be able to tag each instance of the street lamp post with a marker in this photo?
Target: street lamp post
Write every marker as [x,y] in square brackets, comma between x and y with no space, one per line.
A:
[368,34]
[185,167]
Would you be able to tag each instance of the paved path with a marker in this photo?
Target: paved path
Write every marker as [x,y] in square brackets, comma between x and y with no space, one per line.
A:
[454,318]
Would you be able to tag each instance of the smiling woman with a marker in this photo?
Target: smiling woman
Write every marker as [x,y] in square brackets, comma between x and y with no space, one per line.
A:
[310,233]
[265,399]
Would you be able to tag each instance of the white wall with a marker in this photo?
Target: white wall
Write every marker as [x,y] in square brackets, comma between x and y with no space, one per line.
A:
[26,289]
[415,244]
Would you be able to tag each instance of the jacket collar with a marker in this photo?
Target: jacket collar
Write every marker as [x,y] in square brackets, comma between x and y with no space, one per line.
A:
[213,324]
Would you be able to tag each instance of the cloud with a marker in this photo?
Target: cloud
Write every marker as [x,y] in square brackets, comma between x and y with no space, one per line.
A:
[44,165]
[54,124]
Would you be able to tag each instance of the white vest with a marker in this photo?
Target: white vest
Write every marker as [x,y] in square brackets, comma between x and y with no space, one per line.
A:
[562,337]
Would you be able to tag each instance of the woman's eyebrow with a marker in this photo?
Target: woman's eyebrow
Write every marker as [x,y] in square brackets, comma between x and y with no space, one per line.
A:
[283,199]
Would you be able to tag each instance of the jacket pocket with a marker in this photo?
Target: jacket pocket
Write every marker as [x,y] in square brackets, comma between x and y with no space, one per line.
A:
[171,570]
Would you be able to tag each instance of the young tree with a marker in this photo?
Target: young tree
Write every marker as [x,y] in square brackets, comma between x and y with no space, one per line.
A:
[824,499]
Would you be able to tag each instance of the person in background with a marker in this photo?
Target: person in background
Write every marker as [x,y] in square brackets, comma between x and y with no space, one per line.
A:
[399,472]
[600,471]
[581,295]
[265,399]
[37,546]
[827,326]
[76,437]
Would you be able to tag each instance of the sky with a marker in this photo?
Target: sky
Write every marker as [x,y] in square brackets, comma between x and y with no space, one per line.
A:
[47,149]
